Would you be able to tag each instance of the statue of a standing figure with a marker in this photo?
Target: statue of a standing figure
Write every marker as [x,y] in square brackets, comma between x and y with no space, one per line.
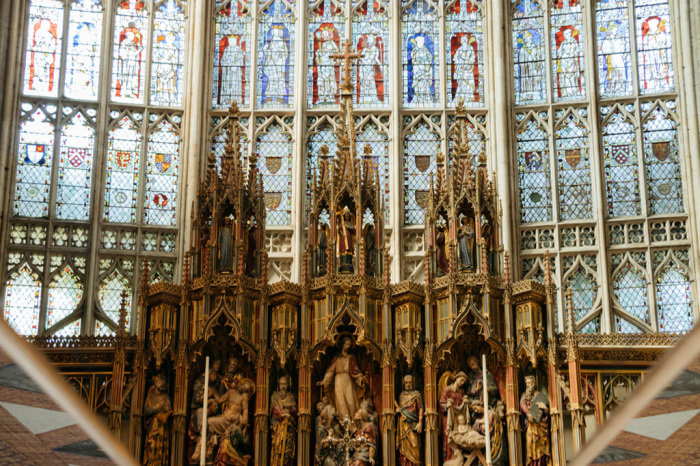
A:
[535,409]
[465,238]
[475,382]
[283,411]
[195,429]
[157,412]
[409,424]
[370,251]
[453,404]
[225,249]
[344,382]
[250,265]
[321,254]
[346,242]
[441,255]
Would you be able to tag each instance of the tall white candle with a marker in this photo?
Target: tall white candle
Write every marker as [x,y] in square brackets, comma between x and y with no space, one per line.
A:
[486,411]
[202,451]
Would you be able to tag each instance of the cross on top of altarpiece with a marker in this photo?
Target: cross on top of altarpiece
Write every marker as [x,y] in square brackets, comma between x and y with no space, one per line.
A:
[347,56]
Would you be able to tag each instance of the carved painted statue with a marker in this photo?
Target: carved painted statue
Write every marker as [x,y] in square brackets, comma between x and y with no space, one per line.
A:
[225,246]
[454,402]
[195,428]
[535,413]
[366,433]
[344,382]
[283,411]
[346,242]
[157,412]
[232,426]
[409,424]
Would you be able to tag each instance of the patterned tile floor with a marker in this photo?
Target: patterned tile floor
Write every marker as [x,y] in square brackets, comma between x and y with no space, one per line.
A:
[34,431]
[666,432]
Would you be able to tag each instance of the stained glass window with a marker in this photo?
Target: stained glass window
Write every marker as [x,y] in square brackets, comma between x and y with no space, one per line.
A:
[65,293]
[370,35]
[130,52]
[621,169]
[163,160]
[22,293]
[573,170]
[34,161]
[122,174]
[674,298]
[274,149]
[276,54]
[84,49]
[420,147]
[232,46]
[326,34]
[109,295]
[584,289]
[322,133]
[654,56]
[75,165]
[529,53]
[631,293]
[567,50]
[662,163]
[167,62]
[534,173]
[218,137]
[421,54]
[43,56]
[371,136]
[614,58]
[464,51]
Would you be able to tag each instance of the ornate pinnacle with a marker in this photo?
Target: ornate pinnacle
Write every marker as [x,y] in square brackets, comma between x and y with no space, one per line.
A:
[122,314]
[185,272]
[367,150]
[482,158]
[233,109]
[484,265]
[547,269]
[506,266]
[324,151]
[460,110]
[570,310]
[440,158]
[144,280]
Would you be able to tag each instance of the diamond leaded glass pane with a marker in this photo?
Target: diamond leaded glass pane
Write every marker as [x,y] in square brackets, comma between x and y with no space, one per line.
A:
[109,294]
[76,156]
[664,187]
[122,174]
[420,148]
[22,294]
[162,163]
[621,169]
[674,299]
[370,136]
[274,151]
[573,171]
[584,291]
[65,293]
[34,161]
[631,292]
[534,174]
[323,135]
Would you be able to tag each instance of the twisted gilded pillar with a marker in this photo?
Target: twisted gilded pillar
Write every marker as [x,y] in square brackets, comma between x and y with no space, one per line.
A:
[304,453]
[388,423]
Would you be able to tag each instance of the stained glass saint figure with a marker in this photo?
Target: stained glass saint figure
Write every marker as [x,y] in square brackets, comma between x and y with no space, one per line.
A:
[370,70]
[81,66]
[420,61]
[567,62]
[615,62]
[232,66]
[531,59]
[43,56]
[464,60]
[654,49]
[326,43]
[165,61]
[130,47]
[275,62]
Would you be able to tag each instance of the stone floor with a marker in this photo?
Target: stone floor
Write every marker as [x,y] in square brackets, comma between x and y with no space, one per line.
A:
[34,431]
[666,432]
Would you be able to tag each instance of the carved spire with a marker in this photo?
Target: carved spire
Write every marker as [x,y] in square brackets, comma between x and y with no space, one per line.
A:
[143,292]
[506,267]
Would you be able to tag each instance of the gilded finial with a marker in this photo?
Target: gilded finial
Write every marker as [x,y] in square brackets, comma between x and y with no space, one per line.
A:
[570,309]
[482,157]
[368,150]
[324,151]
[460,110]
[440,158]
[233,109]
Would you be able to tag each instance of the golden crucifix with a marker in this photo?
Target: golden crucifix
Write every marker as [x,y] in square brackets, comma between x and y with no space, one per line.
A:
[346,57]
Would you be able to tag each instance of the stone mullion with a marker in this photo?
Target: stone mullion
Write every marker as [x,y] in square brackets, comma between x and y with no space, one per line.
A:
[396,138]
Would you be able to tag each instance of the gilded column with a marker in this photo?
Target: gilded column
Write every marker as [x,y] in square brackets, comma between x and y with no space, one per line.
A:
[578,422]
[304,454]
[140,367]
[261,405]
[178,443]
[115,406]
[388,421]
[555,400]
[432,446]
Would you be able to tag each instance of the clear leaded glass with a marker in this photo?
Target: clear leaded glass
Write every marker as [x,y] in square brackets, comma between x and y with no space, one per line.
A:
[162,163]
[22,294]
[76,155]
[534,173]
[573,170]
[274,150]
[663,169]
[674,299]
[122,174]
[584,291]
[65,293]
[621,168]
[631,292]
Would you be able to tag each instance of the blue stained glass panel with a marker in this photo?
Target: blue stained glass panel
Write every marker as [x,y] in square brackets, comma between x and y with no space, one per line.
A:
[420,148]
[566,22]
[573,171]
[274,151]
[370,36]
[529,53]
[130,51]
[614,58]
[76,156]
[464,50]
[43,55]
[35,157]
[162,163]
[232,48]
[654,55]
[664,189]
[421,55]
[276,55]
[534,174]
[621,169]
[122,174]
[326,37]
[167,62]
[84,49]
